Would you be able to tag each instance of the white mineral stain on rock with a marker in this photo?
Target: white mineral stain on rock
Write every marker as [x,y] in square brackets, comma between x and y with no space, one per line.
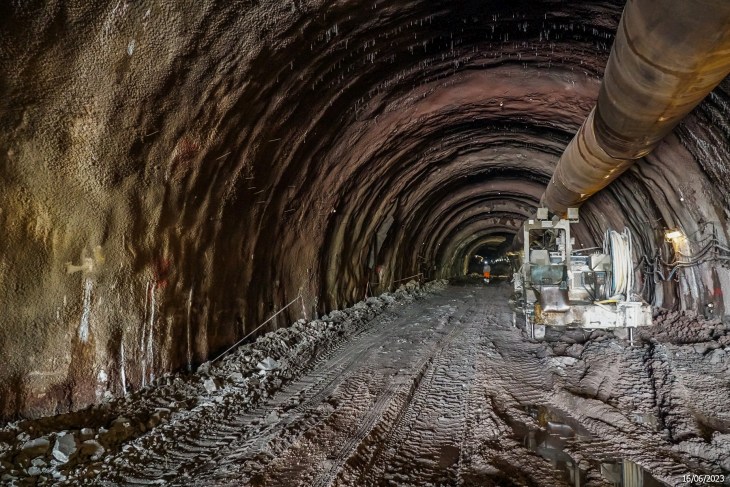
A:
[86,311]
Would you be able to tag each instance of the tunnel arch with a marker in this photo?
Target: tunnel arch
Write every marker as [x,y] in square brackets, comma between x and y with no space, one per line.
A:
[175,174]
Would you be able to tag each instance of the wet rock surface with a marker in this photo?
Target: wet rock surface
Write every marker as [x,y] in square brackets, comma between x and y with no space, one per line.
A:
[171,174]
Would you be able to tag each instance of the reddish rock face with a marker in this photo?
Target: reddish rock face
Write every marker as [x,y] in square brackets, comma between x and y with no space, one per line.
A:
[170,175]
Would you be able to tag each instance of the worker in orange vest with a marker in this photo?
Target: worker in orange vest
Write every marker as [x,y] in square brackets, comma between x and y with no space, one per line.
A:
[487,271]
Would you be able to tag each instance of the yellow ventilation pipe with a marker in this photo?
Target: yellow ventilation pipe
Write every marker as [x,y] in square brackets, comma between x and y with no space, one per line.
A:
[667,56]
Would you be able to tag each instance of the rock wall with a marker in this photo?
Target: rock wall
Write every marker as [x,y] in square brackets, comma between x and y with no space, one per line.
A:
[171,173]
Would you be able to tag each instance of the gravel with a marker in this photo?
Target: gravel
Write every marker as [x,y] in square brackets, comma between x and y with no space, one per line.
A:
[85,439]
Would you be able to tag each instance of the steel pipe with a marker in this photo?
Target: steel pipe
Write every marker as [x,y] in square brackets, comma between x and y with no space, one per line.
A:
[667,56]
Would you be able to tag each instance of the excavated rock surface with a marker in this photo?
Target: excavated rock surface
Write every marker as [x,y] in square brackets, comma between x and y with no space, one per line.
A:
[171,173]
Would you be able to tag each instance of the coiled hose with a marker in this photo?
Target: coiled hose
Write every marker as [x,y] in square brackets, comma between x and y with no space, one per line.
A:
[619,247]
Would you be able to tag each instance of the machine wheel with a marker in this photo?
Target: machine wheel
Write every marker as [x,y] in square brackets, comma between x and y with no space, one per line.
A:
[539,332]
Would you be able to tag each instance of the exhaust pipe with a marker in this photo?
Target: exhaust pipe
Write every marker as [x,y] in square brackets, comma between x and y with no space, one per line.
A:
[667,56]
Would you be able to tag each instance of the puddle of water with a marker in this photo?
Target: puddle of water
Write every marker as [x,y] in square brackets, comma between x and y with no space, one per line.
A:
[625,473]
[551,440]
[556,422]
[449,456]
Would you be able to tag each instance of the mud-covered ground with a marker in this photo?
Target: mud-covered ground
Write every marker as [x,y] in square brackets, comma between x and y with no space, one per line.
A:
[410,389]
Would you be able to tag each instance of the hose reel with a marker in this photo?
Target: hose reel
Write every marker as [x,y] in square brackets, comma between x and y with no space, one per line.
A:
[619,247]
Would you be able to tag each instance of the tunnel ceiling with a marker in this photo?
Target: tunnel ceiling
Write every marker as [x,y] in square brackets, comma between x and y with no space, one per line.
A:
[172,173]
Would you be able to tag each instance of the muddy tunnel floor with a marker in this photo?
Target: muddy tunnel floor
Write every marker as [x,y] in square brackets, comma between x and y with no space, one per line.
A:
[442,389]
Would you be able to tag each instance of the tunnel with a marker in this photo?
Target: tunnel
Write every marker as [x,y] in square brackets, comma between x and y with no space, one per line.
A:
[181,178]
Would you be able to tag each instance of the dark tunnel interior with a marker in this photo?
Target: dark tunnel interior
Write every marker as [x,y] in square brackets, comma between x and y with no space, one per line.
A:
[172,173]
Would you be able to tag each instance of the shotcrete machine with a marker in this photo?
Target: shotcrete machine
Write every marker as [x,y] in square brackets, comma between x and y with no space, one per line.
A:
[562,287]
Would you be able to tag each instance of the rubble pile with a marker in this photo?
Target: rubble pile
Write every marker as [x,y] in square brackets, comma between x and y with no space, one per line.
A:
[49,450]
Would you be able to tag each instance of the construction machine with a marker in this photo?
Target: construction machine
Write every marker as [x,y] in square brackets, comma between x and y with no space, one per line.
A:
[559,286]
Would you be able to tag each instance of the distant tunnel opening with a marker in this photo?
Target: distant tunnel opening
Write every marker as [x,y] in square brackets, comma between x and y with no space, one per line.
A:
[492,251]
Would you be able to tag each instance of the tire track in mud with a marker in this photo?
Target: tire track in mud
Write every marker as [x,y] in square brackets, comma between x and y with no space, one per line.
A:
[429,363]
[406,414]
[381,450]
[223,425]
[342,370]
[474,398]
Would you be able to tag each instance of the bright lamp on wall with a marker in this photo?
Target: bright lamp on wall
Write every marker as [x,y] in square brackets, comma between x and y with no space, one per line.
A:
[673,234]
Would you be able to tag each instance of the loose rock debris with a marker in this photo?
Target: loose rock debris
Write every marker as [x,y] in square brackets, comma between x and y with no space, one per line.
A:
[76,447]
[401,390]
